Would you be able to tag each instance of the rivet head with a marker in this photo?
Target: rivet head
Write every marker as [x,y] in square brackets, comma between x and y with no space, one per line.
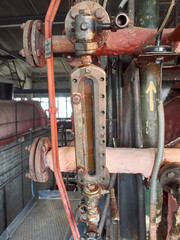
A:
[171,175]
[87,70]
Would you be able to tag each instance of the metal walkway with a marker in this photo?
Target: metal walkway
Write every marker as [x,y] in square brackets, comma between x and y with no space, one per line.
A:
[43,218]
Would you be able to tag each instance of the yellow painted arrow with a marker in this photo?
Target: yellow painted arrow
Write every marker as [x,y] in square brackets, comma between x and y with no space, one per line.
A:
[150,91]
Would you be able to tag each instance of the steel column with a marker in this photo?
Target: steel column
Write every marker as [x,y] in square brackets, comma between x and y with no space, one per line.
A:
[150,76]
[147,13]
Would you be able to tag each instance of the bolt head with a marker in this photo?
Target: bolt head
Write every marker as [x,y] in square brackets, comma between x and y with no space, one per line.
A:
[69,58]
[84,26]
[76,99]
[99,13]
[87,70]
[80,171]
[171,175]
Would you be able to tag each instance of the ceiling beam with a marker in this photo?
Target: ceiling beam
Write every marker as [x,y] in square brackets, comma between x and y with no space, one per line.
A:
[17,21]
[29,91]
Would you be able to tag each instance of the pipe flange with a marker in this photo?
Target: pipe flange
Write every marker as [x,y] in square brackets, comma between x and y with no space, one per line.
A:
[27,48]
[37,43]
[97,11]
[33,43]
[163,49]
[169,176]
[38,171]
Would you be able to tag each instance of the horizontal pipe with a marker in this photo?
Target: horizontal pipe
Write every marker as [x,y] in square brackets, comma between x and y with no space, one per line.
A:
[124,41]
[118,160]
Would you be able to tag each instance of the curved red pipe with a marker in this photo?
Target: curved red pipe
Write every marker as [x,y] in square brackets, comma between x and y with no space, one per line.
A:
[52,10]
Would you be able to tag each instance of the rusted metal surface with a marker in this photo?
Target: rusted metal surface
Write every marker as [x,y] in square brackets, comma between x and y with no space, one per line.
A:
[114,207]
[37,37]
[90,114]
[91,194]
[118,160]
[27,49]
[172,207]
[170,181]
[124,41]
[175,230]
[175,35]
[172,119]
[32,150]
[171,73]
[82,17]
[33,43]
[52,10]
[169,176]
[38,171]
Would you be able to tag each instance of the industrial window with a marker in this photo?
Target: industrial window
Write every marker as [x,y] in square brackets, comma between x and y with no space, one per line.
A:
[62,103]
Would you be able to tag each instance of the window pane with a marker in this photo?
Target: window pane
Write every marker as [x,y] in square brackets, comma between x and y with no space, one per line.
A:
[62,107]
[69,107]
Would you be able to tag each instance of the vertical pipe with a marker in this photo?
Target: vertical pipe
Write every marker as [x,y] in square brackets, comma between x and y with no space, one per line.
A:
[53,7]
[154,178]
[150,85]
[137,109]
[31,141]
[16,122]
[109,104]
[117,107]
[22,176]
[120,102]
[147,13]
[131,11]
[139,144]
[148,17]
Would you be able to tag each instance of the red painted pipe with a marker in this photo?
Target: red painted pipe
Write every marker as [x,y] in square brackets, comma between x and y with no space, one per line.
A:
[53,7]
[123,42]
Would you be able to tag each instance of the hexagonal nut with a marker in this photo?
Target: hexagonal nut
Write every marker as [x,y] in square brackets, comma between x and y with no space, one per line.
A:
[80,171]
[76,98]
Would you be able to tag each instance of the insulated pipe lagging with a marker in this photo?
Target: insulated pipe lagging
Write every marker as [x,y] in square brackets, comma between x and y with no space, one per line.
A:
[157,164]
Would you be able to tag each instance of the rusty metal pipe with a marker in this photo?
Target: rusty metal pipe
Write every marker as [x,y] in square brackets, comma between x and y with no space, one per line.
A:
[122,42]
[156,167]
[52,110]
[114,207]
[118,160]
